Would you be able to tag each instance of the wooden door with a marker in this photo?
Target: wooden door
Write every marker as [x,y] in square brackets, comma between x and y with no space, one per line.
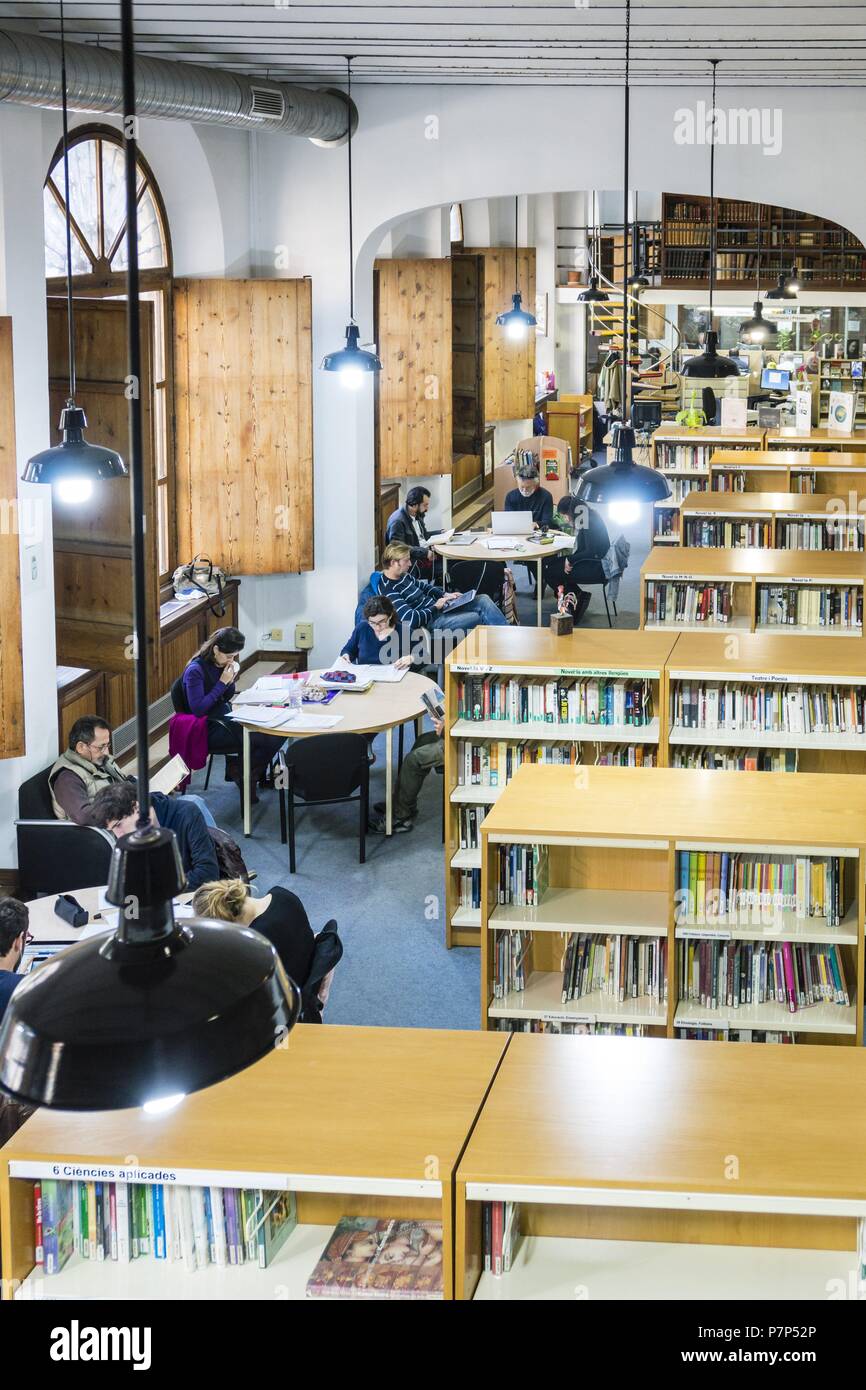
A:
[509,364]
[243,354]
[467,357]
[413,389]
[11,665]
[93,540]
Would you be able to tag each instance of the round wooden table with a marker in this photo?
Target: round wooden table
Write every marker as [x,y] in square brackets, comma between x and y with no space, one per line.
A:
[526,549]
[381,709]
[45,925]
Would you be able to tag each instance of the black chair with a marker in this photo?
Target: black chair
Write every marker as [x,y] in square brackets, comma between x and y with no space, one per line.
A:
[56,856]
[327,953]
[323,771]
[181,706]
[589,572]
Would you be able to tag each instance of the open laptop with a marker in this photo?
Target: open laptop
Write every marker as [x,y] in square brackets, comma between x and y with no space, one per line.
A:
[512,523]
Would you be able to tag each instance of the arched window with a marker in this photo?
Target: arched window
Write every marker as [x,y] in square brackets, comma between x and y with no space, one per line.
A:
[456,224]
[97,203]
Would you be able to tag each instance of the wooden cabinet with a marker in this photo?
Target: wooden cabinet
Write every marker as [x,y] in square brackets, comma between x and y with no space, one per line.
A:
[11,666]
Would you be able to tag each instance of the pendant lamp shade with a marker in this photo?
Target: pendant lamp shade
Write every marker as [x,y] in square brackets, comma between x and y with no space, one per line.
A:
[794,282]
[73,465]
[783,289]
[757,329]
[516,321]
[638,281]
[708,364]
[593,295]
[623,480]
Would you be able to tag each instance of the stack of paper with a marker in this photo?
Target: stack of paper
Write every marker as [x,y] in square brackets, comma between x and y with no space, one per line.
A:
[371,673]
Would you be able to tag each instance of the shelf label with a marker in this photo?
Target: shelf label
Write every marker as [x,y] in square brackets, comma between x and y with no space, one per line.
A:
[703,933]
[469,670]
[723,1027]
[551,1017]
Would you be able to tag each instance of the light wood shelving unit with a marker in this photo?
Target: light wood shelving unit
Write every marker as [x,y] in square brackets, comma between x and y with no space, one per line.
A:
[837,473]
[772,511]
[685,474]
[534,655]
[615,1161]
[355,1121]
[820,438]
[612,837]
[746,573]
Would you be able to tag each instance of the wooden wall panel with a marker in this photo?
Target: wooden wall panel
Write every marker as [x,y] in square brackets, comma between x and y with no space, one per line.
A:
[11,665]
[244,423]
[413,390]
[509,365]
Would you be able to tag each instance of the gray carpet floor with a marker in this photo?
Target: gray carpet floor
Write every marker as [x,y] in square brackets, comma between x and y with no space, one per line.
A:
[390,911]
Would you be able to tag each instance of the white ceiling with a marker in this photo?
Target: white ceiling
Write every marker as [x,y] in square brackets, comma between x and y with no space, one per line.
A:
[543,41]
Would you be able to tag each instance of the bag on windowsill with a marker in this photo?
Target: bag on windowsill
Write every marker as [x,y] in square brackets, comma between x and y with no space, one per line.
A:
[201,577]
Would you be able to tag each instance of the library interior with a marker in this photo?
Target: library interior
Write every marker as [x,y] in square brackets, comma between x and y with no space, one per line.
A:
[432,497]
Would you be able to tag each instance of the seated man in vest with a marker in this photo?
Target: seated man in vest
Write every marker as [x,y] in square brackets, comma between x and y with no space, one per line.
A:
[115,809]
[84,769]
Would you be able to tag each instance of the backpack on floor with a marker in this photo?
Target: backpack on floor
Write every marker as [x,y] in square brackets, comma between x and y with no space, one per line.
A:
[228,853]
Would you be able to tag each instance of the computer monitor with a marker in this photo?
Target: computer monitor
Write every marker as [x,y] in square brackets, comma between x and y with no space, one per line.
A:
[773,379]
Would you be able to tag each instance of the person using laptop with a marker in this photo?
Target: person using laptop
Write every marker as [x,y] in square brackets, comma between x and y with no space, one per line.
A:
[529,495]
[422,605]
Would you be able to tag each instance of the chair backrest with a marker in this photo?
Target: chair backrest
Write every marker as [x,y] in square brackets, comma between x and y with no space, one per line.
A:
[328,766]
[178,697]
[34,797]
[57,856]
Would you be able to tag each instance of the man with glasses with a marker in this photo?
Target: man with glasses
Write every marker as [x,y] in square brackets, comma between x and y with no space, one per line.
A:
[14,936]
[83,770]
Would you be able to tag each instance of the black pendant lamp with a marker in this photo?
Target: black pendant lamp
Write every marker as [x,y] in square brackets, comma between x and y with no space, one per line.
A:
[72,466]
[516,321]
[594,295]
[786,287]
[757,330]
[708,365]
[159,1008]
[352,362]
[624,486]
[794,282]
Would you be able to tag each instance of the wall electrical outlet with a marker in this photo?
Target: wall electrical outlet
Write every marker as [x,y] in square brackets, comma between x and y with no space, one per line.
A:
[303,636]
[276,634]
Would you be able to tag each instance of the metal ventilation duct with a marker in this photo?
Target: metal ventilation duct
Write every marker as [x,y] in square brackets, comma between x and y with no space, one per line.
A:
[30,76]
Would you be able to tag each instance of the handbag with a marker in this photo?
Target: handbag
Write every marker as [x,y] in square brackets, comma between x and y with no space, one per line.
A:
[201,576]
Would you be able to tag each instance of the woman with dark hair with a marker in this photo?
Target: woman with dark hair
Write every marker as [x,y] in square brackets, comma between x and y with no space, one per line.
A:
[209,682]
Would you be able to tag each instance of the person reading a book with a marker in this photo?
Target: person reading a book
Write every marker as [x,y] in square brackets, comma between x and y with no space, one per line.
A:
[115,809]
[82,770]
[422,605]
[209,682]
[14,921]
[279,916]
[427,753]
[374,639]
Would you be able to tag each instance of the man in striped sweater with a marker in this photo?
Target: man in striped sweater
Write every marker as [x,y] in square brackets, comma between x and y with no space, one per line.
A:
[423,605]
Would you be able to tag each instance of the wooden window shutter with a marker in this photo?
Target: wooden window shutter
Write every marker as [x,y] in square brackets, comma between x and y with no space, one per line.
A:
[413,334]
[244,423]
[11,665]
[509,366]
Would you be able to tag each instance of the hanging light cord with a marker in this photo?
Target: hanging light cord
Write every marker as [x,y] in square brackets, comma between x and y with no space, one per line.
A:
[626,405]
[69,319]
[516,271]
[715,63]
[351,229]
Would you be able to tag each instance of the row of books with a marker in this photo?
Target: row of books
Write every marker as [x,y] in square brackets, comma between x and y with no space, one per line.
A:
[681,487]
[124,1221]
[770,709]
[730,535]
[680,456]
[802,605]
[755,1035]
[523,874]
[710,759]
[728,974]
[837,533]
[469,888]
[726,480]
[494,763]
[523,700]
[470,821]
[671,601]
[667,525]
[500,1235]
[510,953]
[621,967]
[563,1026]
[718,887]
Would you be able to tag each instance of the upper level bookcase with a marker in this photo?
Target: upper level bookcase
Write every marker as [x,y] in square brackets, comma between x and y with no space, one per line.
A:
[828,254]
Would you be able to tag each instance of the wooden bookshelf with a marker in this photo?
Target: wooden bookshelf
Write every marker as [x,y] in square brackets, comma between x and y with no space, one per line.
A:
[619,1168]
[355,1121]
[820,438]
[831,665]
[743,575]
[738,520]
[837,374]
[837,472]
[533,655]
[612,838]
[684,456]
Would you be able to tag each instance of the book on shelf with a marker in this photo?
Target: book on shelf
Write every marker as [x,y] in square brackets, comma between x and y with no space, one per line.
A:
[523,874]
[522,700]
[726,533]
[500,1228]
[836,533]
[195,1226]
[509,961]
[370,1258]
[469,888]
[494,763]
[709,759]
[567,1028]
[755,1035]
[729,480]
[470,820]
[731,974]
[683,457]
[681,487]
[805,605]
[625,755]
[622,967]
[673,601]
[775,709]
[734,888]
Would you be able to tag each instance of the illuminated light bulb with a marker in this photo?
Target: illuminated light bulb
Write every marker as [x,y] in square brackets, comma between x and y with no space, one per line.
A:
[351,378]
[74,489]
[162,1104]
[624,512]
[516,329]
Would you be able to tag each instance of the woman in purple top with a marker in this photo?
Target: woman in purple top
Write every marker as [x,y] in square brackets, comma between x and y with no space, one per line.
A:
[209,682]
